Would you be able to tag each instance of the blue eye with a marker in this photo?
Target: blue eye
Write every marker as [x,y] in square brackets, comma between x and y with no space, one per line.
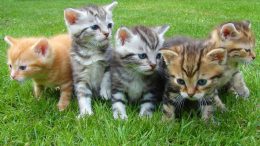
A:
[94,27]
[109,25]
[22,67]
[158,56]
[142,56]
[181,81]
[202,82]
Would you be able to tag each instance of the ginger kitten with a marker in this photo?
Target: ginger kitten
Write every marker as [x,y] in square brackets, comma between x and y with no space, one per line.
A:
[194,70]
[45,61]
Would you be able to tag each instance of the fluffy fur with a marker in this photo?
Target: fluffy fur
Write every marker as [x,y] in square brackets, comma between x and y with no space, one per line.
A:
[91,29]
[191,82]
[45,61]
[135,69]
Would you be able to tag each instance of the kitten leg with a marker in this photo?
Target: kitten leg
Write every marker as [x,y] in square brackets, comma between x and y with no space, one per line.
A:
[169,107]
[66,92]
[206,112]
[105,87]
[239,85]
[84,99]
[147,105]
[219,103]
[37,90]
[118,105]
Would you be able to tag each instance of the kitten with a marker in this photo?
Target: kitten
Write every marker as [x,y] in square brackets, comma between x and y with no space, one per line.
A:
[91,29]
[45,61]
[191,82]
[135,69]
[239,41]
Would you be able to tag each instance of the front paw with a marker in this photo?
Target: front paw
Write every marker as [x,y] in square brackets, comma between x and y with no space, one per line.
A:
[62,105]
[146,114]
[105,94]
[118,115]
[245,93]
[84,113]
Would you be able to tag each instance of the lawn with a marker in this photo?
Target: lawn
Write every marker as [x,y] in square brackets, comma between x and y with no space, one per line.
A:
[26,121]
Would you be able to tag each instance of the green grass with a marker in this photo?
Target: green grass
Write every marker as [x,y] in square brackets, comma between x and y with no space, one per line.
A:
[23,120]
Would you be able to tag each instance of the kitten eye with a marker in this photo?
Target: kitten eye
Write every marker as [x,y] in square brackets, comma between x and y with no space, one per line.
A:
[158,56]
[22,67]
[10,66]
[202,82]
[109,25]
[247,50]
[181,81]
[142,56]
[94,27]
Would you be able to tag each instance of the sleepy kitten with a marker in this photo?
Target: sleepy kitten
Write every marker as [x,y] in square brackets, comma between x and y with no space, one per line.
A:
[193,71]
[135,69]
[239,41]
[91,29]
[45,61]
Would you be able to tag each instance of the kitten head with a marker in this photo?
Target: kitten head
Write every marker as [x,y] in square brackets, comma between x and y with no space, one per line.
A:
[194,69]
[238,39]
[27,57]
[139,47]
[92,24]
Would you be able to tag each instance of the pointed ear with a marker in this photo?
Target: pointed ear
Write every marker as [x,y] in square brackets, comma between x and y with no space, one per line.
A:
[111,6]
[42,48]
[161,30]
[71,15]
[169,55]
[228,31]
[123,34]
[217,56]
[10,40]
[247,23]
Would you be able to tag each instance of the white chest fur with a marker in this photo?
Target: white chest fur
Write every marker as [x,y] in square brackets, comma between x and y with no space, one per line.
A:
[135,88]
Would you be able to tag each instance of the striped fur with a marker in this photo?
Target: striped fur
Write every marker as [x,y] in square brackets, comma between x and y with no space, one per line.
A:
[135,78]
[90,29]
[190,82]
[239,40]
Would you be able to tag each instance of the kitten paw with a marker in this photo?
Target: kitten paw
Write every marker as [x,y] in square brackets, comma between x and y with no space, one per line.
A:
[105,94]
[146,114]
[62,105]
[244,93]
[116,115]
[84,114]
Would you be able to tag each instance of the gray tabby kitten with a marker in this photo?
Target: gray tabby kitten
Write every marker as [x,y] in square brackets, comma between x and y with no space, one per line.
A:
[90,28]
[135,65]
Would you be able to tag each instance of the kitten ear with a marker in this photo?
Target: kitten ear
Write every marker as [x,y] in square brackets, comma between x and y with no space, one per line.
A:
[123,34]
[42,48]
[217,56]
[161,30]
[169,55]
[10,40]
[247,23]
[228,31]
[111,6]
[71,15]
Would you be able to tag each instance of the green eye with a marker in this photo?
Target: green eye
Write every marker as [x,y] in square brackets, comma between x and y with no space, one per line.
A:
[202,82]
[181,81]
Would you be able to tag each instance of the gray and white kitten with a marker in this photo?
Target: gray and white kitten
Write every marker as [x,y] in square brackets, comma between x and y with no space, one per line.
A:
[90,28]
[135,69]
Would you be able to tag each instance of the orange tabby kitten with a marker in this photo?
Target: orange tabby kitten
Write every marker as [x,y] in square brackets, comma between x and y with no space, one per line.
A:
[45,61]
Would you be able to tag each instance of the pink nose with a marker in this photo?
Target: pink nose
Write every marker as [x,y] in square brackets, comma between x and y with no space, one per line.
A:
[153,66]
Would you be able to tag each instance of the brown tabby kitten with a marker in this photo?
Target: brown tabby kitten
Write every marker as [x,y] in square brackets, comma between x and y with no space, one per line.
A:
[239,40]
[45,61]
[193,70]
